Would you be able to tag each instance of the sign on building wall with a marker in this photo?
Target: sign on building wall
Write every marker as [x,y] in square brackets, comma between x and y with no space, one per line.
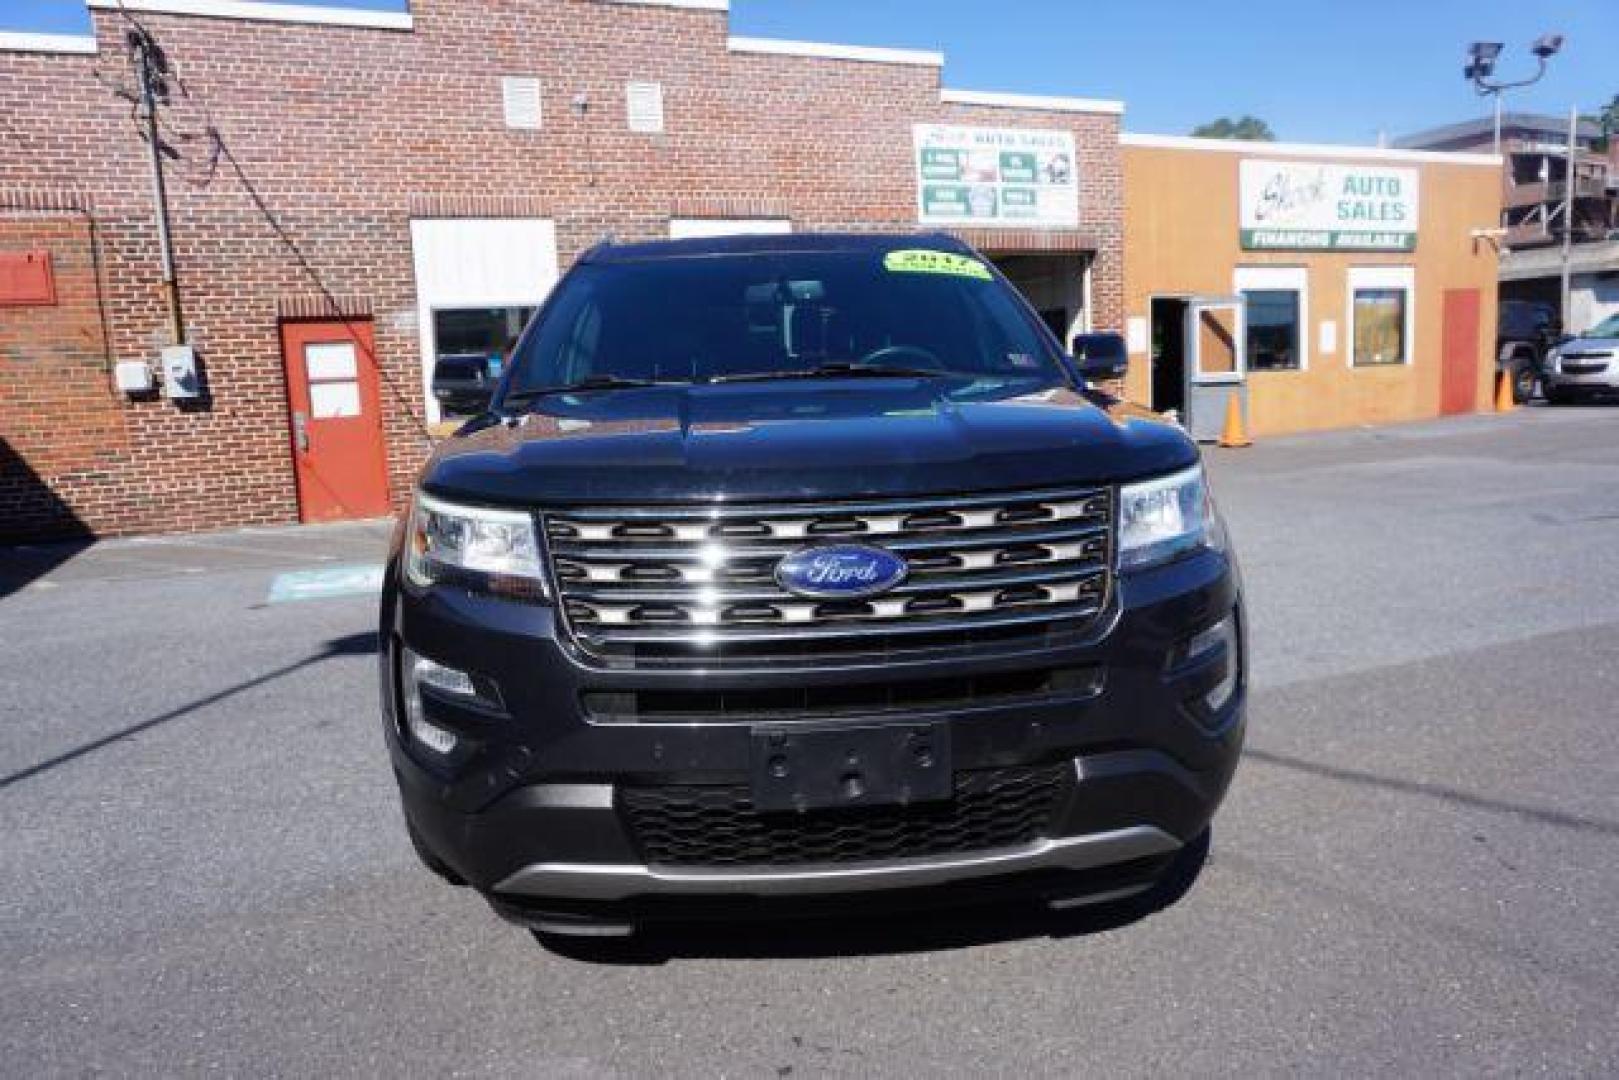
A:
[1319,206]
[995,176]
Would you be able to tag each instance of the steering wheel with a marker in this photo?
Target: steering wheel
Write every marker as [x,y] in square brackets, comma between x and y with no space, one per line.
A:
[889,353]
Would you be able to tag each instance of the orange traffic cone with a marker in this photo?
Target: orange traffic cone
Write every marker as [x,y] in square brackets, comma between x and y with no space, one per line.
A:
[1503,392]
[1234,434]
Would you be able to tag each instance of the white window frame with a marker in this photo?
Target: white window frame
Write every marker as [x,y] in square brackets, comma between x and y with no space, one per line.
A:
[1380,277]
[688,228]
[476,263]
[1286,279]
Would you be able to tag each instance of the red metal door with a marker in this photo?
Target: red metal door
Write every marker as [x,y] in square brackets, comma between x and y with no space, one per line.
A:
[1458,379]
[336,421]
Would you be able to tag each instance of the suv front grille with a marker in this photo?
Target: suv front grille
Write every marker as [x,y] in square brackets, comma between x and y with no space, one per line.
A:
[719,827]
[691,584]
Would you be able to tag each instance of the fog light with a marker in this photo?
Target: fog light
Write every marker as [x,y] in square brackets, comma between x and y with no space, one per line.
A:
[429,735]
[1221,634]
[439,677]
[418,671]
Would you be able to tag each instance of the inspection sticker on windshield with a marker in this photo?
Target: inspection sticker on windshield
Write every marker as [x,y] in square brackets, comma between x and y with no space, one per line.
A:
[921,261]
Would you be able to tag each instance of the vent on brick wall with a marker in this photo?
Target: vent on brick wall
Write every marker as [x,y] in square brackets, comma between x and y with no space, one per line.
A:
[520,95]
[645,106]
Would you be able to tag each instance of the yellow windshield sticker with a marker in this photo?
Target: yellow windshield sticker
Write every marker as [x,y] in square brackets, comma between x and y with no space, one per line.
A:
[922,261]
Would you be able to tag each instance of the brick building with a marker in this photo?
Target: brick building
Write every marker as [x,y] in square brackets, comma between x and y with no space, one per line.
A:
[353,194]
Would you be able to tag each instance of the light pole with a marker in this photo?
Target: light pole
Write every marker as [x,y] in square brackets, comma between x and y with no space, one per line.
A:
[1481,57]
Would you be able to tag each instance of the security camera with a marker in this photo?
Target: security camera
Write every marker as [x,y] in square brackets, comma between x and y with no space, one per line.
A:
[1547,45]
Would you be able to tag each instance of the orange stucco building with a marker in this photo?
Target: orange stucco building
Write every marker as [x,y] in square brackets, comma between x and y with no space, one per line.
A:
[1323,286]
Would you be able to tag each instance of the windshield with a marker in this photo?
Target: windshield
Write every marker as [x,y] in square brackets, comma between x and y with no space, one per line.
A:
[719,317]
[1607,328]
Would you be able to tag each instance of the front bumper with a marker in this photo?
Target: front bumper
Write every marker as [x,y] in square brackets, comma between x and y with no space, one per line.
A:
[529,811]
[1594,375]
[605,881]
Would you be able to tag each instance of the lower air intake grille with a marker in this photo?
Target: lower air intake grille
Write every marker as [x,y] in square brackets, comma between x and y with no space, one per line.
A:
[718,826]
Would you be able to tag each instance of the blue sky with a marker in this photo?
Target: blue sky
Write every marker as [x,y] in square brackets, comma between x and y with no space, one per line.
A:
[1318,70]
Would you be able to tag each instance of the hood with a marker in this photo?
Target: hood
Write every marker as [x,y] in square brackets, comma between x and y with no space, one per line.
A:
[1595,346]
[803,440]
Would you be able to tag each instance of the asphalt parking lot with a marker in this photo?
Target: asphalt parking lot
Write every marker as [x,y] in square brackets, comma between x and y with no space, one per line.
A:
[202,866]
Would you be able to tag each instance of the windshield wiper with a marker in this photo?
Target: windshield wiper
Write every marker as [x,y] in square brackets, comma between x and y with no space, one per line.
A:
[836,371]
[590,382]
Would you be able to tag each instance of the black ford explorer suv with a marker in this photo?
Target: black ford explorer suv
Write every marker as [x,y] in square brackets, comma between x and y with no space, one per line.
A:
[798,574]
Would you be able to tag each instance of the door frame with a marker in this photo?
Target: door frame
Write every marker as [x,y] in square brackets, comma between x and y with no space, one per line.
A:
[1203,423]
[360,332]
[1207,393]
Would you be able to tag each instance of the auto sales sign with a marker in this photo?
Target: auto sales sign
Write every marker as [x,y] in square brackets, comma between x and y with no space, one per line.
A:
[1318,206]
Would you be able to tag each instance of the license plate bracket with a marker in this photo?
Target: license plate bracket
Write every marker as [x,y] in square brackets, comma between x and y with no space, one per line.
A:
[891,764]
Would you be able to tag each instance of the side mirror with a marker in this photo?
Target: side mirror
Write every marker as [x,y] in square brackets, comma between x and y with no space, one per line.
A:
[462,384]
[1100,356]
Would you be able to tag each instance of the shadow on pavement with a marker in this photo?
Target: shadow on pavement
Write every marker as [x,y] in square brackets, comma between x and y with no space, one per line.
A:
[1436,791]
[362,644]
[22,566]
[33,512]
[886,935]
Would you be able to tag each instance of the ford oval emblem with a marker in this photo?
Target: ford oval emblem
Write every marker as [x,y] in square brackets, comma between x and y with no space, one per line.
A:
[840,570]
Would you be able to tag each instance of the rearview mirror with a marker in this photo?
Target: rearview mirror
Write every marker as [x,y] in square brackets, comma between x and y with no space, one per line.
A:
[1100,356]
[462,383]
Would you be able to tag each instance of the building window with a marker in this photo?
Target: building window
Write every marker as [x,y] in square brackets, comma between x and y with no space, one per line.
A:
[490,331]
[1273,329]
[473,344]
[1380,315]
[1379,326]
[1278,310]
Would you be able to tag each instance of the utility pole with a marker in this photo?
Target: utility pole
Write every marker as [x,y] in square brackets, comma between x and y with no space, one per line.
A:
[1568,216]
[152,67]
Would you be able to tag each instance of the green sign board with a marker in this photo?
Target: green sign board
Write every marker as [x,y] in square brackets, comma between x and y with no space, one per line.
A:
[1326,240]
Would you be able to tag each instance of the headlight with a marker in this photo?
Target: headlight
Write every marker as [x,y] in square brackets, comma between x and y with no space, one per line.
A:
[1159,519]
[492,551]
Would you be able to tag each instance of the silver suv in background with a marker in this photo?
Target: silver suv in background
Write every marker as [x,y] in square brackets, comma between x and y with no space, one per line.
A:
[1584,366]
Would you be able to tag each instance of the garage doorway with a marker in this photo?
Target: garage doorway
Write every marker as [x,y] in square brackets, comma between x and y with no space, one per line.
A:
[476,278]
[1056,286]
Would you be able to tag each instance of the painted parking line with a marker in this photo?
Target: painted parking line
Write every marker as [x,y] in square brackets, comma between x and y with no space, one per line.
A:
[326,583]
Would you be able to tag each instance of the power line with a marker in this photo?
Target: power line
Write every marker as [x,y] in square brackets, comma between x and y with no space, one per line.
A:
[159,81]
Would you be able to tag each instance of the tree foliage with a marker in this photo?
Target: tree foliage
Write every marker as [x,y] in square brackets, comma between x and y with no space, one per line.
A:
[1608,117]
[1244,127]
